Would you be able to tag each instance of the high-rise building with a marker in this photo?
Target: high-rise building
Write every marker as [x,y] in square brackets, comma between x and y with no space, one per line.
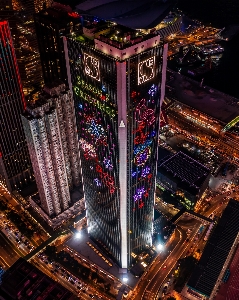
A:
[51,24]
[19,14]
[15,164]
[118,78]
[50,130]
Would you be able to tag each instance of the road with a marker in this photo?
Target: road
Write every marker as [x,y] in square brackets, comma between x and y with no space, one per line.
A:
[7,254]
[155,276]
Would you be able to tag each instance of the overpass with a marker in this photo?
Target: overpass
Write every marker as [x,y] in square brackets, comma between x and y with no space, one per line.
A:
[192,214]
[231,124]
[45,243]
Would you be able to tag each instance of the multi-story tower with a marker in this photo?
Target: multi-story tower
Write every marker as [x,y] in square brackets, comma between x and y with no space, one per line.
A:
[15,164]
[50,130]
[118,78]
[51,24]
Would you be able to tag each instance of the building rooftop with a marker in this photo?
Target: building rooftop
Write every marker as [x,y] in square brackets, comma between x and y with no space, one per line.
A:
[24,281]
[220,106]
[187,172]
[137,14]
[208,269]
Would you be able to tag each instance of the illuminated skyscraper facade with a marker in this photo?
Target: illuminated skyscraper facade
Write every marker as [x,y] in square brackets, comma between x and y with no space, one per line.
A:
[15,165]
[50,130]
[118,88]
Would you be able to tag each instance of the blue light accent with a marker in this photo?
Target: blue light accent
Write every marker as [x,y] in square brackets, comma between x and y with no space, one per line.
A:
[140,148]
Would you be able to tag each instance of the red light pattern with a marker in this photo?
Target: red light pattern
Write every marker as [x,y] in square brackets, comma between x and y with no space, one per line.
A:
[106,179]
[73,14]
[7,39]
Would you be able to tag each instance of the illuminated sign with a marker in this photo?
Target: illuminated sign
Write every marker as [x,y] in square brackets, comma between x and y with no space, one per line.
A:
[92,66]
[108,110]
[146,70]
[99,93]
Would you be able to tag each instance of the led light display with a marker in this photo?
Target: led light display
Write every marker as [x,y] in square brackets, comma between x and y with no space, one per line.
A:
[96,129]
[106,178]
[107,163]
[146,70]
[97,103]
[92,66]
[139,194]
[97,181]
[88,149]
[119,177]
[88,87]
[152,90]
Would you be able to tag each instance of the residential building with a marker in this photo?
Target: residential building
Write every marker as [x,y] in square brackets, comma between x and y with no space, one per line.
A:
[50,129]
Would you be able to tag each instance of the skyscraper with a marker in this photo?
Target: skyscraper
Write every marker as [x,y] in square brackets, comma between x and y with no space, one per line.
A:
[15,165]
[51,24]
[118,78]
[50,130]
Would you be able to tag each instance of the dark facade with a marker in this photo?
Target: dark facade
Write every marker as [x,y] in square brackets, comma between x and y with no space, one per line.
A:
[24,281]
[118,90]
[217,254]
[15,165]
[51,24]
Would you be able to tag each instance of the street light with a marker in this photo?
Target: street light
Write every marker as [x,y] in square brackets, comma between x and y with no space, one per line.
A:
[78,235]
[160,247]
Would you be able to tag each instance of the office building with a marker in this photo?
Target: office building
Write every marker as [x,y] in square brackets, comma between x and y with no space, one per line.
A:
[24,281]
[50,129]
[15,164]
[221,246]
[118,78]
[51,24]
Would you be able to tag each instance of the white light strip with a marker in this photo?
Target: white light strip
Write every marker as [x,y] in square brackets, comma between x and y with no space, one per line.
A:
[122,137]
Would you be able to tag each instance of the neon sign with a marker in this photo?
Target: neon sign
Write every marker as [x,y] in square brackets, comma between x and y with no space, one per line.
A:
[92,66]
[146,70]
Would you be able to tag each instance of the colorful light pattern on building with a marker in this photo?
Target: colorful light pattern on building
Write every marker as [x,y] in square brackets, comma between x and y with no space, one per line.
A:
[98,103]
[88,149]
[107,163]
[92,66]
[107,179]
[143,142]
[146,70]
